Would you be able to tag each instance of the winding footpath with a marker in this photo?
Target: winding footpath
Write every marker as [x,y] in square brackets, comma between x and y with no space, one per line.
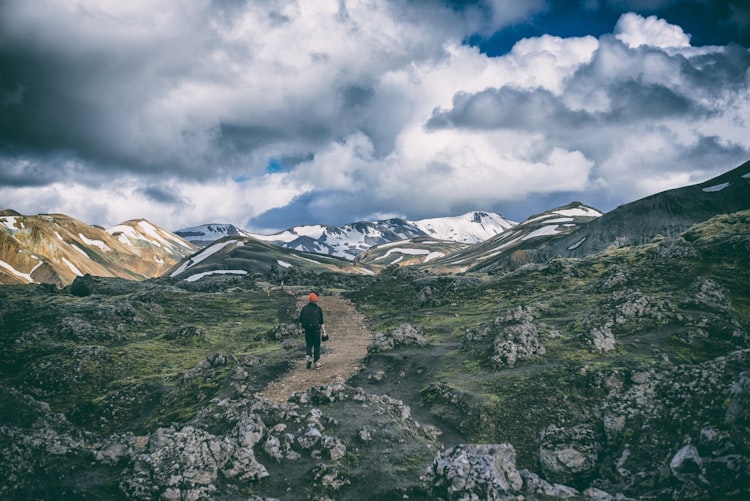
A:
[341,356]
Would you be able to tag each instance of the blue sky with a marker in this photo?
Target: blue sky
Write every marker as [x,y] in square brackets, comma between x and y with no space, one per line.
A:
[273,113]
[708,23]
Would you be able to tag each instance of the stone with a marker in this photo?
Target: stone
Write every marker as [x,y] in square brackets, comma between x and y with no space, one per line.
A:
[471,471]
[568,455]
[686,463]
[404,335]
[738,410]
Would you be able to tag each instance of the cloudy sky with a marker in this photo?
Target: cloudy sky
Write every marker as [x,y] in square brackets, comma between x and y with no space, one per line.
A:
[272,113]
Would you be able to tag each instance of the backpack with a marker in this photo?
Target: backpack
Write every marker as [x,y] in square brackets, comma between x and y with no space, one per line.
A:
[309,316]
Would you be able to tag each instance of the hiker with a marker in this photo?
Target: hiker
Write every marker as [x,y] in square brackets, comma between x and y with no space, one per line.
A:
[311,318]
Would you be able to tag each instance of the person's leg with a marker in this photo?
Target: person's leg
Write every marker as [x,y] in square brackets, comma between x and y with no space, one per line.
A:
[316,346]
[309,346]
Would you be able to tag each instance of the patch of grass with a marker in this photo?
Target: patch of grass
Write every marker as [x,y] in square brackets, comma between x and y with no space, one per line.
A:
[117,354]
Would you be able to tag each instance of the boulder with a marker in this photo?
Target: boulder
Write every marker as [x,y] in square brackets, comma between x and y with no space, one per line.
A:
[569,455]
[738,411]
[484,471]
[404,335]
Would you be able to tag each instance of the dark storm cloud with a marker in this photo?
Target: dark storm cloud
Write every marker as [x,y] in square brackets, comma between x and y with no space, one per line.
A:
[507,108]
[25,172]
[286,110]
[81,93]
[321,207]
[162,195]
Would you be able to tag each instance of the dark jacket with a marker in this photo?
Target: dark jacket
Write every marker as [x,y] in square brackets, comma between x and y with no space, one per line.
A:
[311,316]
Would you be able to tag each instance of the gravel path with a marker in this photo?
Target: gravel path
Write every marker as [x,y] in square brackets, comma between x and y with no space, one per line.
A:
[341,356]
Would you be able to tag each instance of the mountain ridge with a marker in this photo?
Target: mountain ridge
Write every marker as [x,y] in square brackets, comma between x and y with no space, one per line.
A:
[667,213]
[349,240]
[56,248]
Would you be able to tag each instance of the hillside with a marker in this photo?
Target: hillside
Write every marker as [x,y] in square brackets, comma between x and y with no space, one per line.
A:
[668,213]
[624,373]
[519,244]
[409,252]
[55,248]
[249,256]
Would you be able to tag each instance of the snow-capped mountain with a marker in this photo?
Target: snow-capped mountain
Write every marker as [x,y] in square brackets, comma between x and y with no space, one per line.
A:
[55,248]
[349,240]
[513,247]
[469,228]
[346,241]
[206,233]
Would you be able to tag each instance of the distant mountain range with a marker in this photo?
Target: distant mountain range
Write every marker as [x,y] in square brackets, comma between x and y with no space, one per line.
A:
[350,240]
[55,248]
[573,230]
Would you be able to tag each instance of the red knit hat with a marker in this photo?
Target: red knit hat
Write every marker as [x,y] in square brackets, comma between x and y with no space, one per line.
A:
[313,297]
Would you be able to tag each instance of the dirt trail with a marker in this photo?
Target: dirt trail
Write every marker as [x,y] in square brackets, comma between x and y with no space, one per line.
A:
[341,356]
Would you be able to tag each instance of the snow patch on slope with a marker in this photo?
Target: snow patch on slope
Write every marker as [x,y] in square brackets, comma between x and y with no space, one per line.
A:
[202,255]
[25,276]
[94,243]
[715,188]
[198,276]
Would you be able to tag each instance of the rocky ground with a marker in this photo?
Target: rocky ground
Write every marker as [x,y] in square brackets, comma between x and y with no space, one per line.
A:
[621,376]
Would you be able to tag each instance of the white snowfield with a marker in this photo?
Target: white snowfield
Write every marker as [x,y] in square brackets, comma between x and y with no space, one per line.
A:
[404,251]
[11,223]
[549,223]
[94,243]
[472,227]
[79,250]
[349,240]
[25,276]
[718,187]
[198,276]
[72,267]
[313,231]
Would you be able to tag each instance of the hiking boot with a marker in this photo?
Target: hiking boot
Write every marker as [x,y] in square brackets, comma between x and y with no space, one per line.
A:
[309,361]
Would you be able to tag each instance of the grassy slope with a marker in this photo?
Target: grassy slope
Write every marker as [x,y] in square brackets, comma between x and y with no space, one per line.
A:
[113,361]
[461,388]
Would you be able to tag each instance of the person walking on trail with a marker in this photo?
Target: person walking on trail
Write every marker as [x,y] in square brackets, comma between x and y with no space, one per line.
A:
[311,319]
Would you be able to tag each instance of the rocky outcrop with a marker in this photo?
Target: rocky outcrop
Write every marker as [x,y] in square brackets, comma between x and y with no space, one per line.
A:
[488,472]
[475,472]
[683,430]
[186,463]
[569,455]
[404,335]
[514,337]
[231,445]
[623,311]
